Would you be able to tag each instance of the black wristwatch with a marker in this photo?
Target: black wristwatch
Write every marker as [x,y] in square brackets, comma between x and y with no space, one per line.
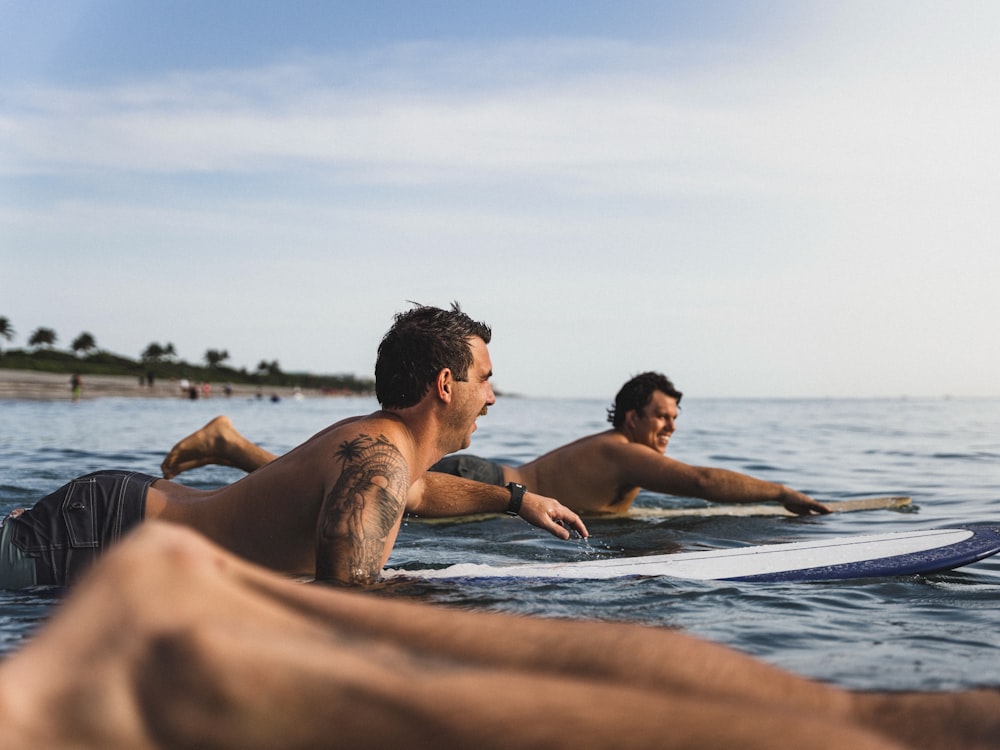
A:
[516,496]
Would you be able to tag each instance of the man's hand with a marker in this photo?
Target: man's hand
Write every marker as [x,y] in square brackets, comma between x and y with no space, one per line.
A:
[801,504]
[551,515]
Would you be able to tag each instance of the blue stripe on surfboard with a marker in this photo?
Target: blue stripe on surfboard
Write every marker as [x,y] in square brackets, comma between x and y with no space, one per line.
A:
[984,542]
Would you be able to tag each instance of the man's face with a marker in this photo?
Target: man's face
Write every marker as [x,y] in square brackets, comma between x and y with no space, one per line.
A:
[654,424]
[473,395]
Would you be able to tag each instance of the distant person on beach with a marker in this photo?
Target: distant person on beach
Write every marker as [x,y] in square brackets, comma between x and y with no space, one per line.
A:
[332,507]
[600,473]
[171,642]
[76,386]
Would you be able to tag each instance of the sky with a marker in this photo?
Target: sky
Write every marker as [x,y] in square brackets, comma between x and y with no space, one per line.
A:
[760,199]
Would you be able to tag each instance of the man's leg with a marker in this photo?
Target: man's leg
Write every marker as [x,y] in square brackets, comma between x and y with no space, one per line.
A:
[173,642]
[218,442]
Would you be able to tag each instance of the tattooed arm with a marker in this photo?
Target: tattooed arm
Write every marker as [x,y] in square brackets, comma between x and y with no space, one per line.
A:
[360,516]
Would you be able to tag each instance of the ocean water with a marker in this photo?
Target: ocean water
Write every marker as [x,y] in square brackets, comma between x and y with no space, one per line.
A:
[915,632]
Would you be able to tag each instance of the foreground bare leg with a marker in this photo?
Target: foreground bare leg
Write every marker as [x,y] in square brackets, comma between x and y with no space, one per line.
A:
[218,442]
[172,643]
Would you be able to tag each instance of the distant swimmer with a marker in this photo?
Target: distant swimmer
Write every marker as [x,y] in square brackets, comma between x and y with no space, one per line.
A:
[600,473]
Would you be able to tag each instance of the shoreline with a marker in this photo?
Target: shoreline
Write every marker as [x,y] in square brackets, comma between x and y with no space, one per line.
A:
[30,385]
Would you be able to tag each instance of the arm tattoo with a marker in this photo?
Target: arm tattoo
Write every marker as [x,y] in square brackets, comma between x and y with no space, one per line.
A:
[361,509]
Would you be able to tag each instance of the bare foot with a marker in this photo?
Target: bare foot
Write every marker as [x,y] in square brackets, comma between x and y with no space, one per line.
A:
[218,442]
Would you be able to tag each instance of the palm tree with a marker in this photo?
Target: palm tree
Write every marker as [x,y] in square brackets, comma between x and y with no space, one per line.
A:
[269,368]
[83,343]
[42,337]
[214,356]
[6,329]
[152,352]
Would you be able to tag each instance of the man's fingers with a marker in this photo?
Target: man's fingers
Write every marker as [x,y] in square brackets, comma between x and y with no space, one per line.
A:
[569,518]
[580,526]
[559,530]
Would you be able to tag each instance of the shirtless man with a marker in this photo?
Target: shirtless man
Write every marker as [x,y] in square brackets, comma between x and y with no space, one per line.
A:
[171,642]
[330,508]
[600,473]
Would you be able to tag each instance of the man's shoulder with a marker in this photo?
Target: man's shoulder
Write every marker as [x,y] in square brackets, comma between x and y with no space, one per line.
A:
[593,445]
[369,428]
[374,424]
[610,438]
[371,441]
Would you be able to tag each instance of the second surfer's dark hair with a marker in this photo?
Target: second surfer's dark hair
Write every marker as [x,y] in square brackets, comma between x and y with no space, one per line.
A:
[636,394]
[420,343]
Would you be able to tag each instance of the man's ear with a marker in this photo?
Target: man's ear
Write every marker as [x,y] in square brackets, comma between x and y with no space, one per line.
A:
[631,417]
[445,385]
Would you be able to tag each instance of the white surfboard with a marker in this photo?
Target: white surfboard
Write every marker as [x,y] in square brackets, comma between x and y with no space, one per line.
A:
[862,556]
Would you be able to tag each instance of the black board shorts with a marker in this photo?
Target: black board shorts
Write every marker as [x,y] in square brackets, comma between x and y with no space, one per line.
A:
[471,467]
[67,531]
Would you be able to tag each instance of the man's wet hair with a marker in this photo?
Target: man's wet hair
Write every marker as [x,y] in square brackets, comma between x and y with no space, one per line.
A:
[637,393]
[420,343]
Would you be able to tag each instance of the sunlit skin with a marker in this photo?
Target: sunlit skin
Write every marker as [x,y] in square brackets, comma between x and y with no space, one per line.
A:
[655,424]
[474,394]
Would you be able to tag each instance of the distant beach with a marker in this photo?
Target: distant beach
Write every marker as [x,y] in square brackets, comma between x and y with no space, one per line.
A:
[47,386]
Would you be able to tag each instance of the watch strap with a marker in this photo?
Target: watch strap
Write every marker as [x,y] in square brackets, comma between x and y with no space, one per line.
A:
[516,497]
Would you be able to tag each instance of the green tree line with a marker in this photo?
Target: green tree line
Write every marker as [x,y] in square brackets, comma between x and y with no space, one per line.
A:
[159,360]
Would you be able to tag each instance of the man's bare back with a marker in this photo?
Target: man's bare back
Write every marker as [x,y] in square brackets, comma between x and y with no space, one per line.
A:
[270,516]
[603,473]
[586,470]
